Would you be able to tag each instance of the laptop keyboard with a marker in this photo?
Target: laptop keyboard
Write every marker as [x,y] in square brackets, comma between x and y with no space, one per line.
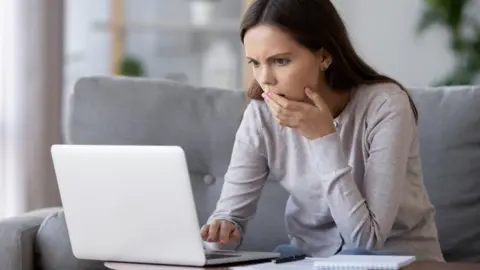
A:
[212,256]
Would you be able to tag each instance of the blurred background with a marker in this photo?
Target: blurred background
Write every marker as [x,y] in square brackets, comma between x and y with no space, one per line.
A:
[46,45]
[197,41]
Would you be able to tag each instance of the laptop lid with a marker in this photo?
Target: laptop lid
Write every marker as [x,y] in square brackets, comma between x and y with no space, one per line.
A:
[128,203]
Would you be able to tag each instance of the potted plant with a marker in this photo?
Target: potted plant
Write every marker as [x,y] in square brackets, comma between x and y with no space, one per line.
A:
[130,66]
[464,31]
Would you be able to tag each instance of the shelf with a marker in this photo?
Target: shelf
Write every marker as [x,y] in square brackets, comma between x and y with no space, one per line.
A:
[220,26]
[73,57]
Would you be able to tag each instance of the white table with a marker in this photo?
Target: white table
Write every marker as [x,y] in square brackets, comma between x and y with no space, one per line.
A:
[131,266]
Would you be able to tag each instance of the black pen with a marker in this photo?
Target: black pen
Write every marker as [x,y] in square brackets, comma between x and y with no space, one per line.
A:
[290,258]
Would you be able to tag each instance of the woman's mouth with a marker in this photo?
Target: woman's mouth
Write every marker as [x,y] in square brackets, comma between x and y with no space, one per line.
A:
[276,93]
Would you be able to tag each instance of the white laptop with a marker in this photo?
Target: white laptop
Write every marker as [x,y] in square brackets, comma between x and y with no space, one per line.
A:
[134,204]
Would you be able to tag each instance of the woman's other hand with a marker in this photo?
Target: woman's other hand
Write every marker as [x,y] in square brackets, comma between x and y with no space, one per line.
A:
[220,230]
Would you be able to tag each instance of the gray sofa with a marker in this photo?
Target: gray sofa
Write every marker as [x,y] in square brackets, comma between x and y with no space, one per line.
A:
[204,121]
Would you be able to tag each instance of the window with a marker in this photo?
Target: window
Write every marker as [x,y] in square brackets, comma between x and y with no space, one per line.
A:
[5,33]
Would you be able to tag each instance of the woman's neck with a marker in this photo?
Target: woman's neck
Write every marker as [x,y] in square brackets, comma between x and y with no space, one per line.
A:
[336,100]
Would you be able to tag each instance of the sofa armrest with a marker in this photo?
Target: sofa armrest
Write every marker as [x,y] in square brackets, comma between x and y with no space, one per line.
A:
[17,239]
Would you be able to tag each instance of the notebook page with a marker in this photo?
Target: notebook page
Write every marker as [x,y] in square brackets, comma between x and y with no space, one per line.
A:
[337,262]
[364,262]
[296,265]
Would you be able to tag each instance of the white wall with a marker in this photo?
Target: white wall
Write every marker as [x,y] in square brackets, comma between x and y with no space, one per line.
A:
[383,32]
[164,53]
[86,49]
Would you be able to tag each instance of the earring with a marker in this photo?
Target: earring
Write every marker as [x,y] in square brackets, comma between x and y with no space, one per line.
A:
[326,65]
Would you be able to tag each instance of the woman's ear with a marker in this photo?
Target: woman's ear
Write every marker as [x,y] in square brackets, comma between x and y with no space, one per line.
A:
[325,59]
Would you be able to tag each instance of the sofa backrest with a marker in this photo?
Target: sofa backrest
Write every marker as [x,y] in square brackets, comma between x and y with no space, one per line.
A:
[106,110]
[449,127]
[160,112]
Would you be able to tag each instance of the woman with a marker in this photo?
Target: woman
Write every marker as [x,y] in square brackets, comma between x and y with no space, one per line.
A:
[338,136]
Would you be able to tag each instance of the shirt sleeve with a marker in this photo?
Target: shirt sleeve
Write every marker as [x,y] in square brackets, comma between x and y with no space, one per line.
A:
[246,174]
[365,221]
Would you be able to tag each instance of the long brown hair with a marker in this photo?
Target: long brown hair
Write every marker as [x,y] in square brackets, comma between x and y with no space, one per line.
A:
[316,24]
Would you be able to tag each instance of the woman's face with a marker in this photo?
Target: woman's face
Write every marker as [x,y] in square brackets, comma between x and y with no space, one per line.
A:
[282,65]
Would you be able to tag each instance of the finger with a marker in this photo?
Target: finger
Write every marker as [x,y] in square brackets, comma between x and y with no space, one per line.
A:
[281,119]
[272,104]
[273,107]
[284,102]
[235,236]
[316,98]
[204,231]
[226,229]
[277,110]
[282,116]
[213,231]
[288,122]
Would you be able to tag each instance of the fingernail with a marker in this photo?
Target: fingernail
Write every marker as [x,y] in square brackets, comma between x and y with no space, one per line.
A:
[222,242]
[270,94]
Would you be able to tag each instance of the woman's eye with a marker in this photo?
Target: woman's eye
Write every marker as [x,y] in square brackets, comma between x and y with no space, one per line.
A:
[254,63]
[282,62]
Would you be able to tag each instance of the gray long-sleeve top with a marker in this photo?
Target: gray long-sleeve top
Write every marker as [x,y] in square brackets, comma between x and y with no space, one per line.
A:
[361,187]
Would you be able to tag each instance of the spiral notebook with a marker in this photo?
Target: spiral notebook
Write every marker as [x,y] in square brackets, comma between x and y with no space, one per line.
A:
[338,262]
[364,262]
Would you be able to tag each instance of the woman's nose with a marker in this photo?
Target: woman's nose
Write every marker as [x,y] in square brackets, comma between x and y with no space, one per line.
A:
[266,77]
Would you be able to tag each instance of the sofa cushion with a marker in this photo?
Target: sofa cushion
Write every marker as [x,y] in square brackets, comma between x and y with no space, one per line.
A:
[53,249]
[449,128]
